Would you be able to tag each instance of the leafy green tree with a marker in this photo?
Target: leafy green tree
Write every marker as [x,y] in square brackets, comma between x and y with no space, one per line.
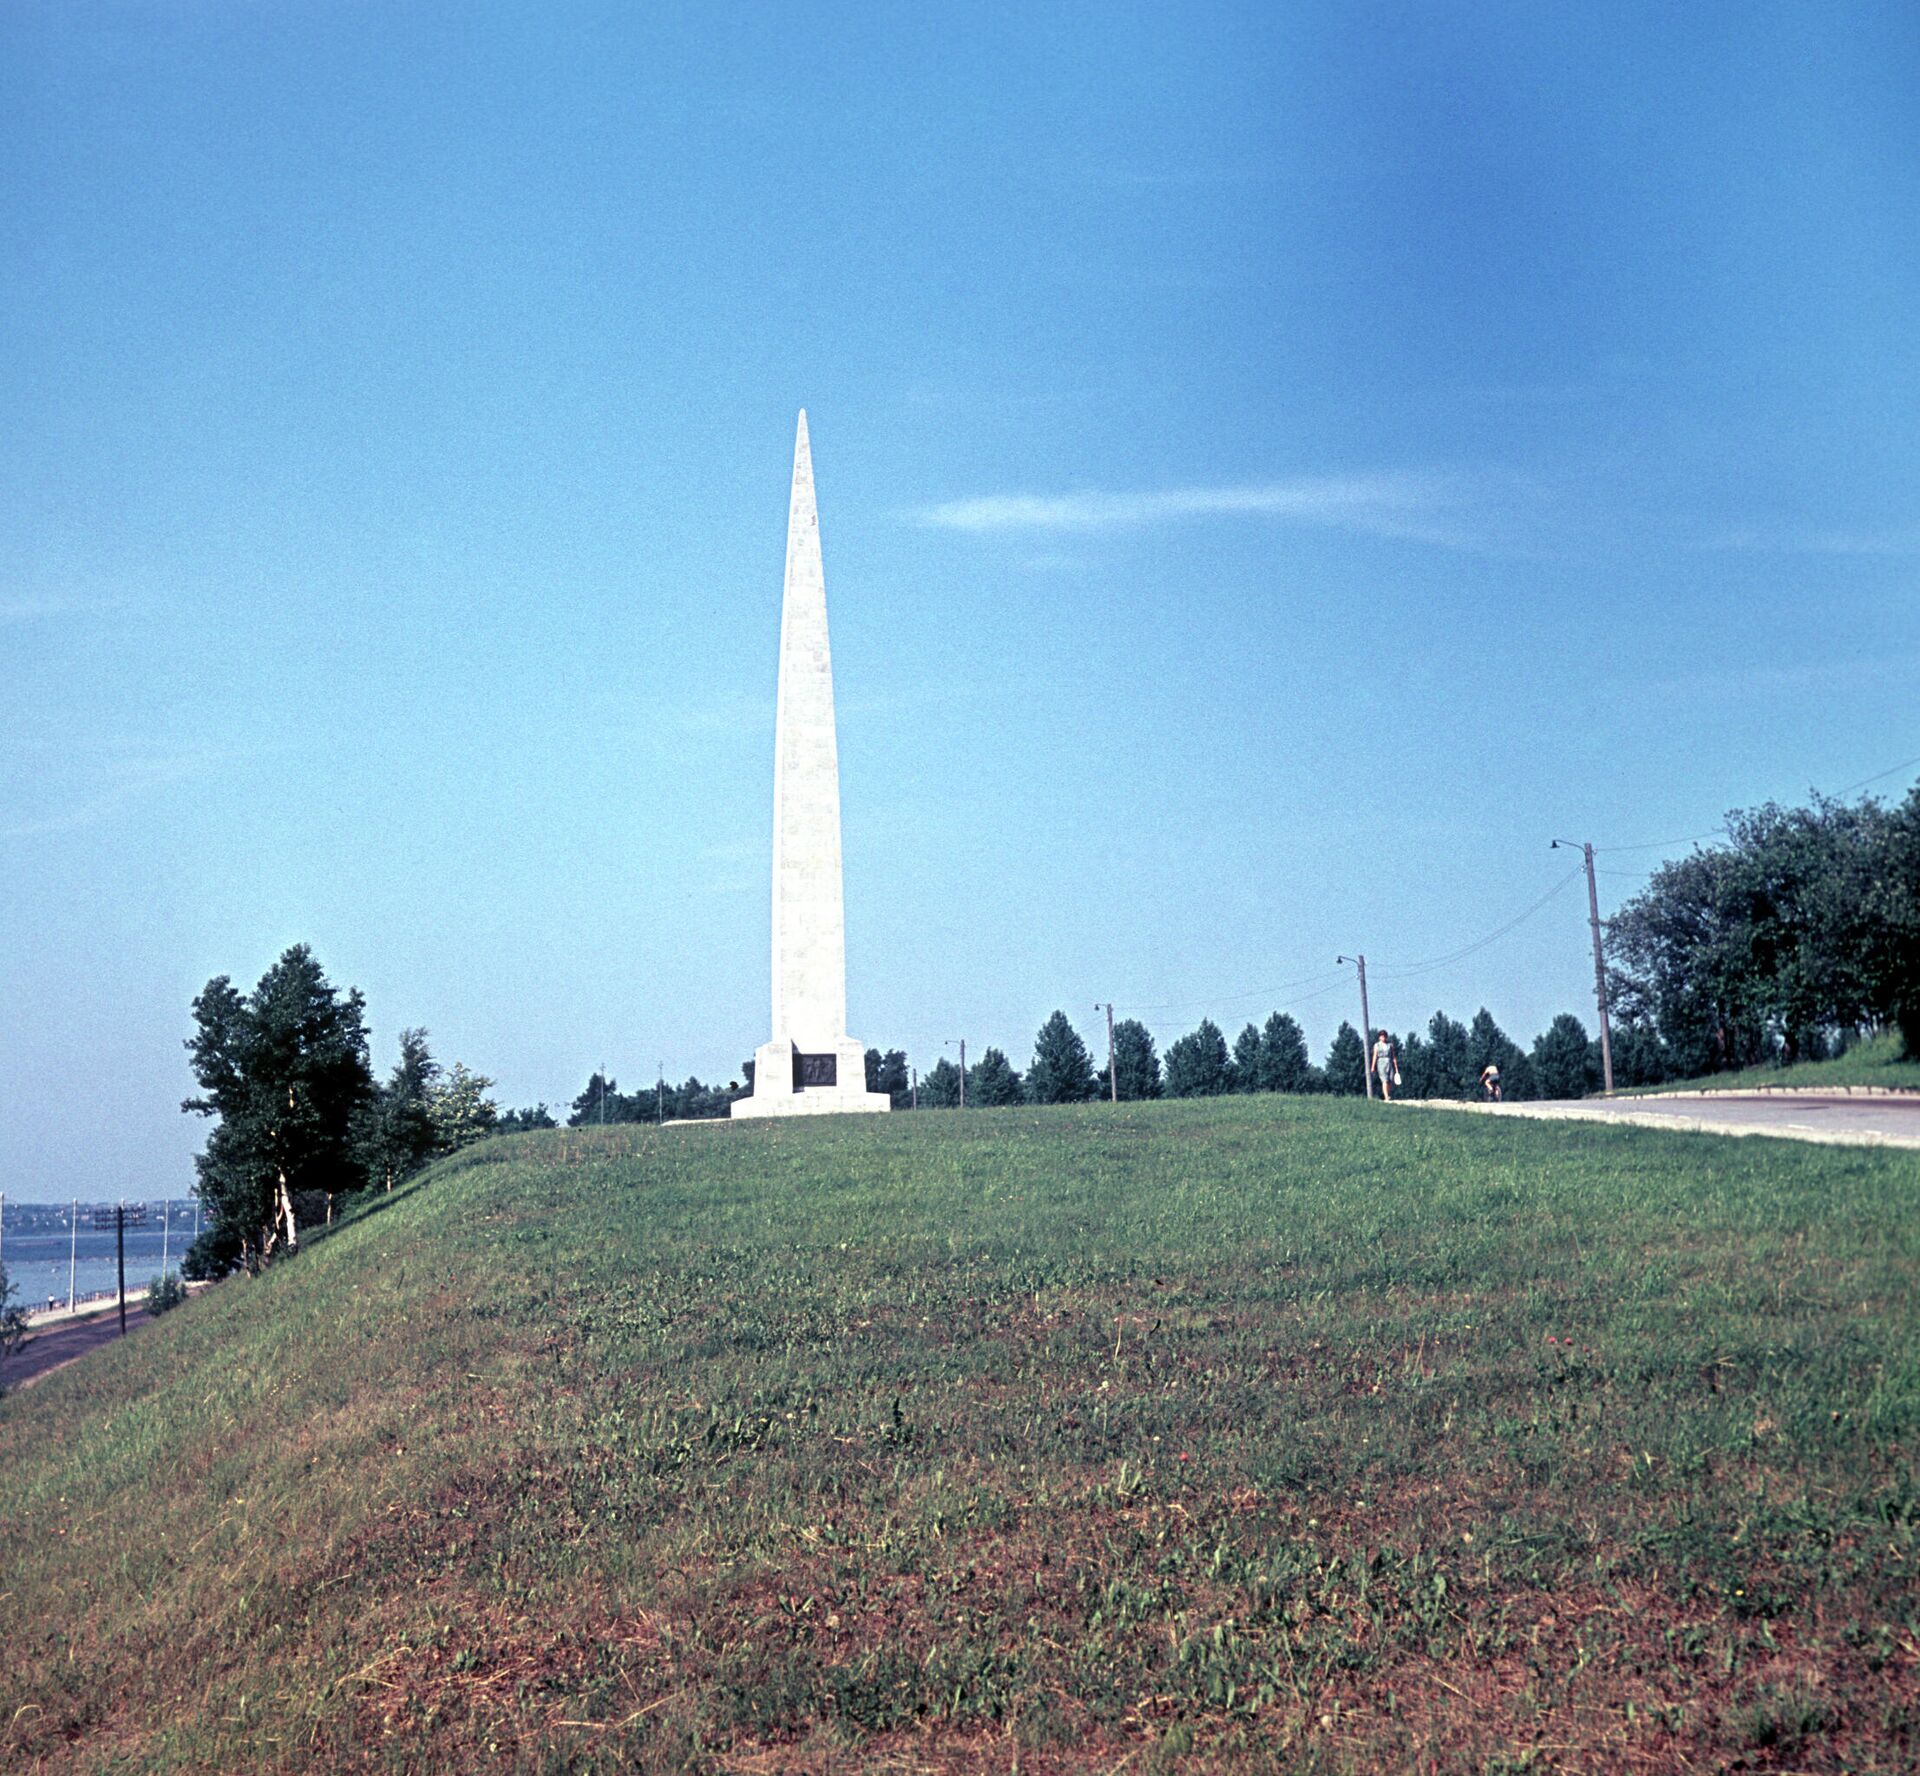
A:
[888,1073]
[1803,925]
[1243,1071]
[1563,1059]
[940,1086]
[1062,1070]
[395,1131]
[992,1082]
[1198,1065]
[461,1110]
[1889,912]
[1136,1065]
[1639,1055]
[1346,1070]
[1282,1064]
[284,1069]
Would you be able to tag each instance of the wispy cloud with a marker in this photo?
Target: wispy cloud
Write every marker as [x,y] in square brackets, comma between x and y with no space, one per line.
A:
[1417,507]
[1895,541]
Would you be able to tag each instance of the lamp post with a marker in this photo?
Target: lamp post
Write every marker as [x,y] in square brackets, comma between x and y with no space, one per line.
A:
[1366,1020]
[1599,965]
[1113,1067]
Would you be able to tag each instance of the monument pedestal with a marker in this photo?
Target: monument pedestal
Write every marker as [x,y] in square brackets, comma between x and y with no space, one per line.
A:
[824,1082]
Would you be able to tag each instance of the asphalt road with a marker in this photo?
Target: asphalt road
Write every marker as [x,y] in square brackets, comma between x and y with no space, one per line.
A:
[43,1352]
[1791,1116]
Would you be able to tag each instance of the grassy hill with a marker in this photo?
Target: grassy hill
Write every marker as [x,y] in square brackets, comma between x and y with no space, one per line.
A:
[1880,1061]
[1266,1433]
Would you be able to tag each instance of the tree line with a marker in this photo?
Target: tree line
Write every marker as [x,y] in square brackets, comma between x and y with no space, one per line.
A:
[1444,1061]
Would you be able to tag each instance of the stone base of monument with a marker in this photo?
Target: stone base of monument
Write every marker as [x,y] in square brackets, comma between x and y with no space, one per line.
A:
[831,1081]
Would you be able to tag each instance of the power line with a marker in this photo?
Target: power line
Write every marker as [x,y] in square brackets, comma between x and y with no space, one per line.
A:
[1719,832]
[1904,765]
[1306,980]
[1406,970]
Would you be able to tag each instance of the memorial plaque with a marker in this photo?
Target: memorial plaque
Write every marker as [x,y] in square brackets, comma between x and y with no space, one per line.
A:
[817,1071]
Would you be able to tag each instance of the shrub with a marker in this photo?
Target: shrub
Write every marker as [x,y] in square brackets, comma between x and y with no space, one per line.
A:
[165,1293]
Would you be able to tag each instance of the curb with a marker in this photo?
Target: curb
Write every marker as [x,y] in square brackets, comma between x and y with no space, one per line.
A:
[1754,1091]
[1691,1125]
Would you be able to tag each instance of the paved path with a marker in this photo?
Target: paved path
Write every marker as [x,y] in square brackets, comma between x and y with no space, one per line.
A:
[44,1352]
[1788,1115]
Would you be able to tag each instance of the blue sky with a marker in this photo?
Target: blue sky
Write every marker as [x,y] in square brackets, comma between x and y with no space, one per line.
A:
[1279,466]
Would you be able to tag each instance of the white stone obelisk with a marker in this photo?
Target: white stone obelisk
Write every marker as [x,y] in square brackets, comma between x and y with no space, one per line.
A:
[812,1065]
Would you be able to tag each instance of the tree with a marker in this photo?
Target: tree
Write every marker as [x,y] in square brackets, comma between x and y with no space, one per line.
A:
[1802,927]
[536,1116]
[395,1131]
[602,1102]
[1346,1071]
[1450,1072]
[992,1082]
[940,1088]
[1889,906]
[1414,1064]
[1062,1070]
[1197,1064]
[888,1073]
[1282,1065]
[13,1323]
[1243,1071]
[1639,1055]
[1136,1066]
[285,1071]
[460,1108]
[1563,1058]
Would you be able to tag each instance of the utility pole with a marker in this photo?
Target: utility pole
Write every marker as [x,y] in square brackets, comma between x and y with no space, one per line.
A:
[1599,964]
[166,1228]
[73,1249]
[962,1041]
[1366,1021]
[913,1088]
[660,1093]
[603,1094]
[120,1251]
[1113,1067]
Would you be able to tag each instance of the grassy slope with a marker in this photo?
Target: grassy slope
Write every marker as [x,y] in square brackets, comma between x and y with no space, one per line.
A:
[1882,1061]
[1264,1430]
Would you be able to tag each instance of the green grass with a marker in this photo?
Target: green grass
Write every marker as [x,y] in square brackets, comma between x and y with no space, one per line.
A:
[1268,1433]
[1882,1060]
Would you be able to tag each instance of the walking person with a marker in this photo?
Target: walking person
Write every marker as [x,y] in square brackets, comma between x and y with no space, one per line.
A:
[1386,1068]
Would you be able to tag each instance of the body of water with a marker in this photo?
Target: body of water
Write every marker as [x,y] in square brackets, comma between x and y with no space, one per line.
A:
[36,1263]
